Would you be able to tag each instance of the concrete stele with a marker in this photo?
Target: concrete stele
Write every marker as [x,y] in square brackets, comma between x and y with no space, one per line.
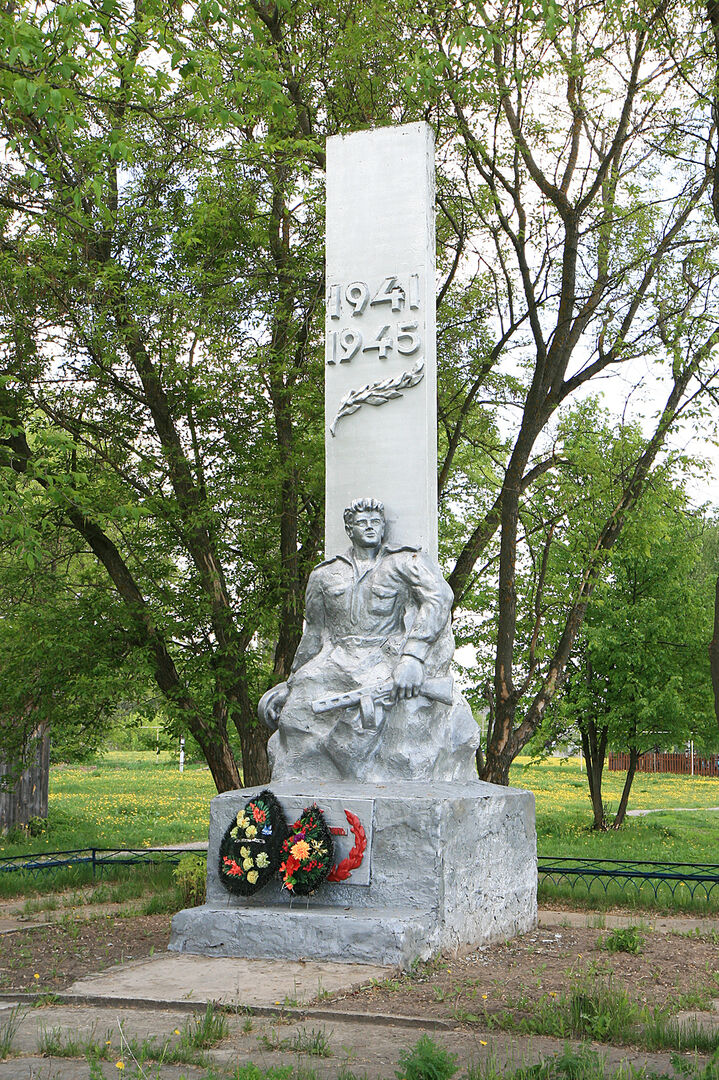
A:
[380,357]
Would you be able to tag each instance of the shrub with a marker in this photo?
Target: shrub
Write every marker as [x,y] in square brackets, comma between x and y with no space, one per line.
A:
[624,939]
[190,876]
[426,1061]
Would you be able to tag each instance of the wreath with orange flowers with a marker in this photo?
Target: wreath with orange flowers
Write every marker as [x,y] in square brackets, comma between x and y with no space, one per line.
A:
[250,848]
[307,853]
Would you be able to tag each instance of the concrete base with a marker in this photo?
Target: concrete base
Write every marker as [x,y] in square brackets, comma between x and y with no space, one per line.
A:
[447,866]
[264,984]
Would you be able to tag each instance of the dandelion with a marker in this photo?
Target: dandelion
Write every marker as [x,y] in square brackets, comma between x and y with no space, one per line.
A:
[119,1064]
[485,996]
[177,1031]
[36,975]
[482,1042]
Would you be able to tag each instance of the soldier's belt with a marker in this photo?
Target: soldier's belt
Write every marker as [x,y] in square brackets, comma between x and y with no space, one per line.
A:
[358,639]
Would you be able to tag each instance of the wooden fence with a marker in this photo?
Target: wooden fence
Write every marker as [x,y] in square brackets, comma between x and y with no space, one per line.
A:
[28,798]
[661,762]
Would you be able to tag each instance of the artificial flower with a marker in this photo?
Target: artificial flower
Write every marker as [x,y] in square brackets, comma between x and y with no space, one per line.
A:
[300,850]
[252,877]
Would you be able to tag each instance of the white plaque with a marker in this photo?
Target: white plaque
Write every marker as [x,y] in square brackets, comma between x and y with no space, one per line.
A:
[380,349]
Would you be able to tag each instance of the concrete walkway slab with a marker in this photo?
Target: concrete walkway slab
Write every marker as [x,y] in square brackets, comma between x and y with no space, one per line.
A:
[671,810]
[600,920]
[370,1050]
[230,980]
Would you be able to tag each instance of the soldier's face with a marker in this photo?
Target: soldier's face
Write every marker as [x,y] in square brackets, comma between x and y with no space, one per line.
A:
[367,528]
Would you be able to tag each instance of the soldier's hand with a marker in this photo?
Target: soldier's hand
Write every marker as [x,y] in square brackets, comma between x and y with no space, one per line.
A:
[408,678]
[271,704]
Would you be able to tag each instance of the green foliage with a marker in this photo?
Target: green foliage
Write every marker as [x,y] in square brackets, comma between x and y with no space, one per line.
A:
[662,1032]
[205,1031]
[584,1063]
[250,1071]
[161,326]
[8,1030]
[426,1060]
[190,876]
[315,1043]
[627,939]
[638,677]
[58,1043]
[581,1063]
[593,1008]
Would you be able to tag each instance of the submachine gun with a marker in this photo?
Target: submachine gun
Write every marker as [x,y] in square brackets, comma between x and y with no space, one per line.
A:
[373,700]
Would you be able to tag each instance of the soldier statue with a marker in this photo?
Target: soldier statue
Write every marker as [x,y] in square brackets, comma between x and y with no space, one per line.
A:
[369,697]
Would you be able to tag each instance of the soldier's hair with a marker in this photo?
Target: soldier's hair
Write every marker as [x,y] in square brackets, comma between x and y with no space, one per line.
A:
[361,505]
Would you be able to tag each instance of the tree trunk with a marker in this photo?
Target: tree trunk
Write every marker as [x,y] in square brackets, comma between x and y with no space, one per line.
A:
[255,766]
[634,756]
[594,745]
[218,755]
[714,652]
[497,763]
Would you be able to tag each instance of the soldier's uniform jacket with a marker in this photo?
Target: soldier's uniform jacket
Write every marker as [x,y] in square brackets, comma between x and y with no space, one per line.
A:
[356,604]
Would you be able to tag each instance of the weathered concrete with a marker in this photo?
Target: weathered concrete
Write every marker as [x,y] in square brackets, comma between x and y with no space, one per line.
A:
[450,865]
[232,981]
[368,1046]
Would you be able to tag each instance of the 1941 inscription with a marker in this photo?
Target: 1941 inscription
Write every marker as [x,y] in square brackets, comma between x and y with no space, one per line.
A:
[352,301]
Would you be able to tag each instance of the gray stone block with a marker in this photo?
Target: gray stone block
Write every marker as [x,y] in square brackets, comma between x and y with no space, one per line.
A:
[450,866]
[302,932]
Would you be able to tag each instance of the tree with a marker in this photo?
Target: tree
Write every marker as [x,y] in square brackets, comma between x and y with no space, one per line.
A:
[710,96]
[637,680]
[581,153]
[162,280]
[161,267]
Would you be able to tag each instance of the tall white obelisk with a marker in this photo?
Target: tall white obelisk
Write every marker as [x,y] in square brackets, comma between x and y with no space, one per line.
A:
[380,355]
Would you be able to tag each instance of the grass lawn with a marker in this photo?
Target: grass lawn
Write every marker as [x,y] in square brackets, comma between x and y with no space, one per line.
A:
[126,799]
[564,819]
[140,800]
[564,814]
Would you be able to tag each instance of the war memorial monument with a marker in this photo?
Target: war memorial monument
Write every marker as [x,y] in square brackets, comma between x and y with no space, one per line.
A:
[369,727]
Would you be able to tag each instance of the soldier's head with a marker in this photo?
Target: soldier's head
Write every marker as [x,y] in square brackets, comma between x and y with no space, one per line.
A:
[365,522]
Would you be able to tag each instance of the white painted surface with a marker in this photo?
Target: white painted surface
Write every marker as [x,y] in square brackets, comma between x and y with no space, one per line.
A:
[380,223]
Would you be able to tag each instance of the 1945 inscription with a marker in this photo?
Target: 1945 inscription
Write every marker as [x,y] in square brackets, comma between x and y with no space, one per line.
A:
[352,301]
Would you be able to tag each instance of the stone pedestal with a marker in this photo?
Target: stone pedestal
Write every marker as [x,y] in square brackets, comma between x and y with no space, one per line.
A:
[447,866]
